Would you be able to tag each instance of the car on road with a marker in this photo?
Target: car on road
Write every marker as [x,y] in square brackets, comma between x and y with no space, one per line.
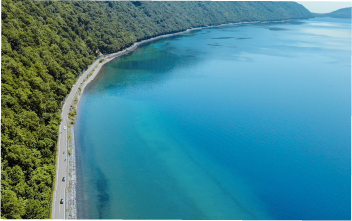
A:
[62,201]
[63,178]
[64,127]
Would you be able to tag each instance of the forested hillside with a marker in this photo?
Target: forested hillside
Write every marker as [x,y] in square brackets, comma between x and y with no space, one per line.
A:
[46,44]
[341,13]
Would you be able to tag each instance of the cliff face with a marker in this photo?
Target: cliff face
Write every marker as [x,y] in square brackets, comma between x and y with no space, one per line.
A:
[45,45]
[341,13]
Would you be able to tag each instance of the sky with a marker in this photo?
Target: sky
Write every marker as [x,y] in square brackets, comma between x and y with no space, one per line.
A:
[324,6]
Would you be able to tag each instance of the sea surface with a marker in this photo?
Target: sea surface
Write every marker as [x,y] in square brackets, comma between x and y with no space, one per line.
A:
[247,121]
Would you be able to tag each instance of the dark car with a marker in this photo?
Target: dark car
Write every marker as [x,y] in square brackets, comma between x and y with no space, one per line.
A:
[62,201]
[63,178]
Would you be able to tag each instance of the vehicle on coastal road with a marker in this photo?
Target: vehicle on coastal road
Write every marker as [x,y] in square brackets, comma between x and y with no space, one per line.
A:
[64,127]
[63,178]
[62,201]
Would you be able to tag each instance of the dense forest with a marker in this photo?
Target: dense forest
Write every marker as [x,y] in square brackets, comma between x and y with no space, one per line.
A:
[341,13]
[45,46]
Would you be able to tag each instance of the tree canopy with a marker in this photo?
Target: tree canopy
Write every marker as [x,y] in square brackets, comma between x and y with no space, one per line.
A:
[46,45]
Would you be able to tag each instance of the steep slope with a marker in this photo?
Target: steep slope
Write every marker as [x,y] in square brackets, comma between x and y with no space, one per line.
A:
[46,44]
[341,13]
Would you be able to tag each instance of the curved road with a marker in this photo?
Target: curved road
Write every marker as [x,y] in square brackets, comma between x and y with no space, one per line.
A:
[58,210]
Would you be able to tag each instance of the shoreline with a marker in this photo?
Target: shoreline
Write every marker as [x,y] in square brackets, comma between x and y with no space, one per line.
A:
[75,95]
[109,57]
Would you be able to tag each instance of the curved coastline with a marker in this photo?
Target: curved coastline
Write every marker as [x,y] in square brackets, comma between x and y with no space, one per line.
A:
[74,99]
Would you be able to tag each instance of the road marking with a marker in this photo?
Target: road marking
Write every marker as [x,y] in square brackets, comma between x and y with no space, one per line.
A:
[64,114]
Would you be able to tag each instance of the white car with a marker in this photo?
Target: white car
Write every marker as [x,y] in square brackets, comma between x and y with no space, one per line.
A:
[64,127]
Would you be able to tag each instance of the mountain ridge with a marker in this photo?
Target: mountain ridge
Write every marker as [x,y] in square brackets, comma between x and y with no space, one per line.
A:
[340,13]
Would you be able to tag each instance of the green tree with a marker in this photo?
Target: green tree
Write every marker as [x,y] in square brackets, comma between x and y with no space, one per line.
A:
[11,206]
[46,45]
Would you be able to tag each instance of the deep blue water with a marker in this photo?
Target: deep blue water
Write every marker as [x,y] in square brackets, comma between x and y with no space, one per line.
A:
[247,121]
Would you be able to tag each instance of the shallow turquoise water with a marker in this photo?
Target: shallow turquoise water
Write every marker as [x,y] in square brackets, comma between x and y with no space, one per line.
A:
[238,122]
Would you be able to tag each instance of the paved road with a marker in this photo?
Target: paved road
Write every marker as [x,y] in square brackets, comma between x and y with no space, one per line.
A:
[58,210]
